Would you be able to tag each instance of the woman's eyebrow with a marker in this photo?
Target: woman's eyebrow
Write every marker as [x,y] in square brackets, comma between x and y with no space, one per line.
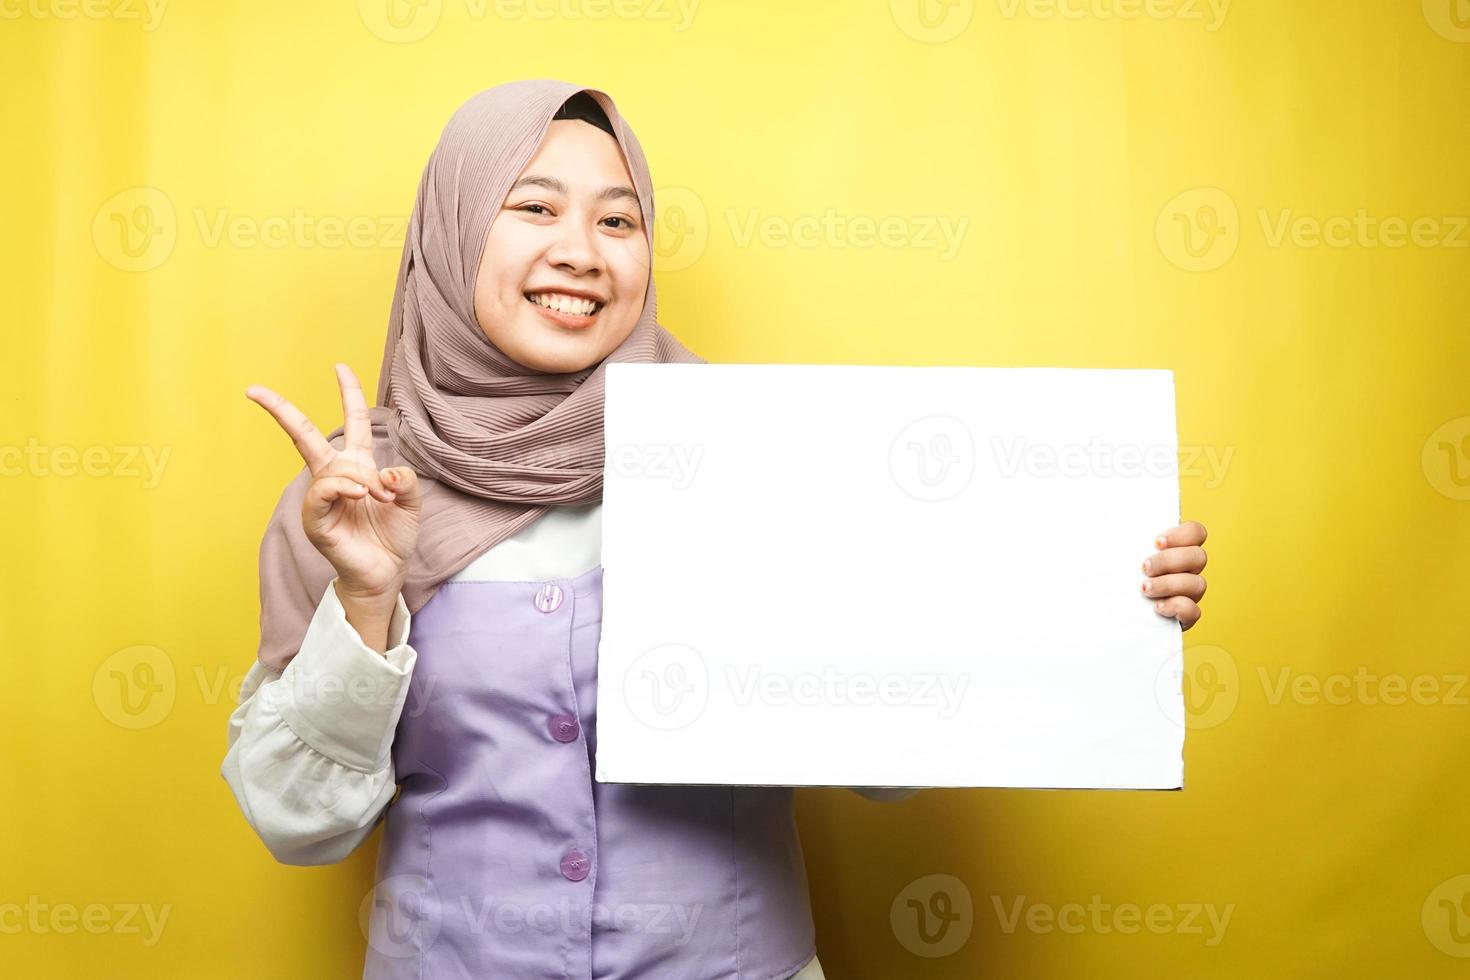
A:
[553,184]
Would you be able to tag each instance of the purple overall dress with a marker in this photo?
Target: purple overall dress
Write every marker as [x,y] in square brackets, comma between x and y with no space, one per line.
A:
[501,857]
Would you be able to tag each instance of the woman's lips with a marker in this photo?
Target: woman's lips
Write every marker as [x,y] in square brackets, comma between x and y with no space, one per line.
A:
[572,321]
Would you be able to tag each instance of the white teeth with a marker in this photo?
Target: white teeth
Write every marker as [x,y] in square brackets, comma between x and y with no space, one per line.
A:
[565,304]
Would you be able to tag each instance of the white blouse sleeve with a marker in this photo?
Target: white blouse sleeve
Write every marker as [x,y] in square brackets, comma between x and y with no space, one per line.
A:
[309,757]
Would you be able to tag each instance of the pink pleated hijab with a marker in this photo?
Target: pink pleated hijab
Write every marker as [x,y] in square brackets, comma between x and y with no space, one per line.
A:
[495,444]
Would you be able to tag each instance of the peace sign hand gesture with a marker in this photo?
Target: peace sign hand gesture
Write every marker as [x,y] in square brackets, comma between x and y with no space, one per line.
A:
[363,520]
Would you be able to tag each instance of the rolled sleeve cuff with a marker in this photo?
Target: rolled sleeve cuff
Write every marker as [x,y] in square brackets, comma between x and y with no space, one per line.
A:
[340,696]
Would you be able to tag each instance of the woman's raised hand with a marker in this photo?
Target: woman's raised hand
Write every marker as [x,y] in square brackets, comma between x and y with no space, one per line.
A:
[363,520]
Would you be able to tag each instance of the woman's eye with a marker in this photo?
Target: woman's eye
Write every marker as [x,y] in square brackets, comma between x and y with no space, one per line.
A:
[540,209]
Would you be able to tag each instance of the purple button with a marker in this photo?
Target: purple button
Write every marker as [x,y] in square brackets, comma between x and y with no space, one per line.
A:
[563,727]
[548,599]
[574,865]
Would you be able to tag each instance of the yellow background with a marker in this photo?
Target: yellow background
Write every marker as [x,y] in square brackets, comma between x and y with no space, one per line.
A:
[1077,144]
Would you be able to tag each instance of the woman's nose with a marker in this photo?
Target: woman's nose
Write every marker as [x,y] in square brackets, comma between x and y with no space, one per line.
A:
[575,248]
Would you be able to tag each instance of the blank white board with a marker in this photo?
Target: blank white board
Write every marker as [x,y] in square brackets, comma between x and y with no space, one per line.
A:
[887,576]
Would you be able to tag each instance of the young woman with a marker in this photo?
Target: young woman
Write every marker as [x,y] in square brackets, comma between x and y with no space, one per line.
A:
[467,503]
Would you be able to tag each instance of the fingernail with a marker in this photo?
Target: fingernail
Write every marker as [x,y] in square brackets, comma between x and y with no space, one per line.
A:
[1160,543]
[1158,607]
[1146,566]
[1147,586]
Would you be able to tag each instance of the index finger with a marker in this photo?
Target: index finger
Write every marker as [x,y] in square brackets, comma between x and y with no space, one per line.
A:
[357,427]
[309,441]
[1184,536]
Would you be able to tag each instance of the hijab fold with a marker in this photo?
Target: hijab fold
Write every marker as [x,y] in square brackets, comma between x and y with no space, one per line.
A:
[495,444]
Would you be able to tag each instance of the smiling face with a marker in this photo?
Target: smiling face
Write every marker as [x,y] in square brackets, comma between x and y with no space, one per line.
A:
[565,268]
